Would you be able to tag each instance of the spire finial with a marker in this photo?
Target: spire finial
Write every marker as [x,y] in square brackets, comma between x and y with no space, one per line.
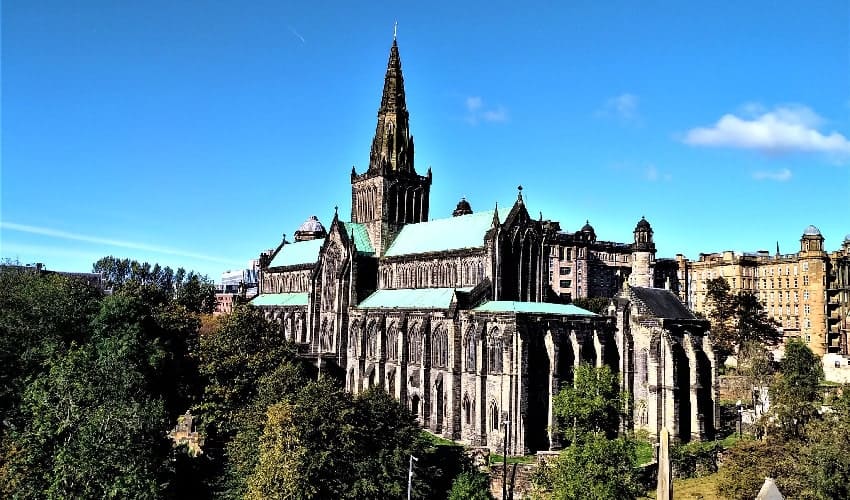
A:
[519,192]
[336,210]
[395,31]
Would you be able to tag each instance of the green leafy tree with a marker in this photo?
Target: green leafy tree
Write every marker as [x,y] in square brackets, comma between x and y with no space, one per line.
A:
[598,305]
[158,284]
[594,465]
[795,392]
[592,405]
[278,474]
[721,311]
[386,434]
[737,320]
[95,419]
[596,468]
[746,464]
[41,315]
[240,355]
[470,485]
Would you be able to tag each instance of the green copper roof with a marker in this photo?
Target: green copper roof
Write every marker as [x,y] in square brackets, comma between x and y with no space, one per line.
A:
[358,233]
[532,307]
[453,233]
[302,252]
[409,298]
[280,299]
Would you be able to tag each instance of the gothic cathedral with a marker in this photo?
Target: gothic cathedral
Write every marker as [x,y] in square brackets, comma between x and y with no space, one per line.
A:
[457,318]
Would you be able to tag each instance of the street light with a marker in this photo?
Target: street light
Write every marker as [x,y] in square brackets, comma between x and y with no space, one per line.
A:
[410,475]
[506,424]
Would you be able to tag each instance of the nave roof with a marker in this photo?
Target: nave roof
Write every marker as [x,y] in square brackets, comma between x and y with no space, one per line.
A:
[439,235]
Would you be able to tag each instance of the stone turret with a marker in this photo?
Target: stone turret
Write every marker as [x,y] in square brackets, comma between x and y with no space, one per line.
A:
[643,255]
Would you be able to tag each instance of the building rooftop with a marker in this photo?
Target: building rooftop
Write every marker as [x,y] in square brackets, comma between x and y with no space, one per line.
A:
[453,233]
[533,308]
[411,298]
[301,252]
[280,299]
[358,233]
[662,303]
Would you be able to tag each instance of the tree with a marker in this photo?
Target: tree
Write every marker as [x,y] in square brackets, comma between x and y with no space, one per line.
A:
[747,463]
[386,434]
[596,468]
[242,354]
[470,485]
[598,305]
[720,309]
[158,284]
[594,465]
[95,421]
[795,392]
[277,475]
[592,405]
[737,319]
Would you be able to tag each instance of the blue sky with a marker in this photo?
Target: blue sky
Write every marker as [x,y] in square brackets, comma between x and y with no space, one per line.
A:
[195,133]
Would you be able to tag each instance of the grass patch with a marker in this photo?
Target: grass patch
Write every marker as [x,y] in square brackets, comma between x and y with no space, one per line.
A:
[696,488]
[439,441]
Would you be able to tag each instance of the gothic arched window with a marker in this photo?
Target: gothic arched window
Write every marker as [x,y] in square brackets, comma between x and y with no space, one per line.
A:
[469,351]
[352,337]
[372,341]
[414,343]
[440,347]
[392,343]
[467,410]
[494,351]
[494,416]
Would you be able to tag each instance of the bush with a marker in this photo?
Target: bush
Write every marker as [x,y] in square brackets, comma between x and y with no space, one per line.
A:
[694,459]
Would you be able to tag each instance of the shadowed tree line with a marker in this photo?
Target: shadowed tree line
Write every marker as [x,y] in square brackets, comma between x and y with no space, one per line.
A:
[90,384]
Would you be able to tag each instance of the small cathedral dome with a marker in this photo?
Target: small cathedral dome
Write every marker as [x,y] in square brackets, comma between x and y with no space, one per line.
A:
[463,208]
[847,239]
[811,231]
[587,228]
[311,229]
[642,224]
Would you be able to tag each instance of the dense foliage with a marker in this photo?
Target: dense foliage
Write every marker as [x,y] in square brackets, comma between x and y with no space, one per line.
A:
[91,385]
[596,464]
[805,449]
[737,320]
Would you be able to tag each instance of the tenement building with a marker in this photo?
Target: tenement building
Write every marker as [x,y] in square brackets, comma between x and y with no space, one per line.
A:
[456,317]
[805,292]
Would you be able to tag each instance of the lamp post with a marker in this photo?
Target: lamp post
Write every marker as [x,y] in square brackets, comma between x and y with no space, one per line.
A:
[506,424]
[410,475]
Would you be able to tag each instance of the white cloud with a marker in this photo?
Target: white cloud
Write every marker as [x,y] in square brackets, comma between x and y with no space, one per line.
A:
[780,175]
[785,129]
[476,112]
[623,107]
[64,235]
[473,103]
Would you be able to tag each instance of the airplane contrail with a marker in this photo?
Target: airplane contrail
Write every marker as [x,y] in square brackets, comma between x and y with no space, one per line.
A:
[64,235]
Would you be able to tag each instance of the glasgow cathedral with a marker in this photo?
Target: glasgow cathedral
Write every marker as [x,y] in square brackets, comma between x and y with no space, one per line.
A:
[467,320]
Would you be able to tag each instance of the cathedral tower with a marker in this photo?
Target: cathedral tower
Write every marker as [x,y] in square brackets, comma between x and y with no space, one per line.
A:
[390,193]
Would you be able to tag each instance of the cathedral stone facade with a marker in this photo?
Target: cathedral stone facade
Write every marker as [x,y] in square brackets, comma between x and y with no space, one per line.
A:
[457,317]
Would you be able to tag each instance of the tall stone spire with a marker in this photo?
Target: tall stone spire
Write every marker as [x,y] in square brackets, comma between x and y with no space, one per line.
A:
[392,146]
[390,193]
